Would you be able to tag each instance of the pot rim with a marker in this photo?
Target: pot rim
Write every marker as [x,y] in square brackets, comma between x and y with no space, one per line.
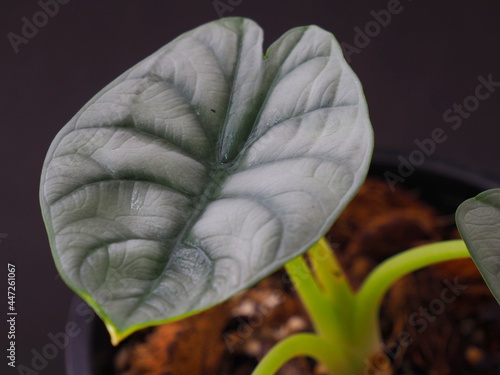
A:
[438,166]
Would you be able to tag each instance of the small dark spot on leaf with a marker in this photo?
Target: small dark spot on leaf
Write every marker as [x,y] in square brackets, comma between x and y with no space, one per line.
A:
[213,110]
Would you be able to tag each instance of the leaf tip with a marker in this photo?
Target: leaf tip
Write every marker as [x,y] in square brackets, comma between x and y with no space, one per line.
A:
[115,335]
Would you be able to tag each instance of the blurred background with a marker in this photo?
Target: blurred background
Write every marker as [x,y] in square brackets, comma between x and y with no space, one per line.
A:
[421,65]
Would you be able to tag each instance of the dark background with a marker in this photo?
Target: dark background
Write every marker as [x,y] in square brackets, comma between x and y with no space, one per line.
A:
[427,58]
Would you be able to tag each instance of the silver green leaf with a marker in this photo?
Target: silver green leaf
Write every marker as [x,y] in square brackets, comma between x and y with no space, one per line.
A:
[478,220]
[203,169]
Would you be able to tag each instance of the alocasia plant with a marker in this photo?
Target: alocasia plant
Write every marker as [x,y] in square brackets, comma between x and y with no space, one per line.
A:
[209,165]
[202,169]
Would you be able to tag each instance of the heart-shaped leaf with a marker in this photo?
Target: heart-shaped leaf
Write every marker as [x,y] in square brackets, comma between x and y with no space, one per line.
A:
[478,220]
[203,169]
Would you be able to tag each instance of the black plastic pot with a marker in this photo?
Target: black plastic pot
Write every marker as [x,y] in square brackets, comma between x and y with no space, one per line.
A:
[441,184]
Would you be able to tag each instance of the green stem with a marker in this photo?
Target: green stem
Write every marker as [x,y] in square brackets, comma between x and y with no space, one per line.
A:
[327,297]
[369,297]
[301,344]
[316,304]
[346,323]
[335,287]
[329,273]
